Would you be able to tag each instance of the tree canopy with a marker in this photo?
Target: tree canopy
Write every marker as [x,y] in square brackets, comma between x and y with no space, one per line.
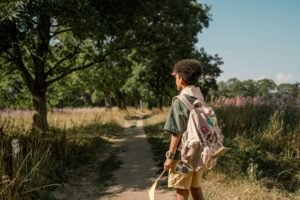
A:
[44,41]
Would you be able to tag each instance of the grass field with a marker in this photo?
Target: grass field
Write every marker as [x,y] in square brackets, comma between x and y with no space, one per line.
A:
[263,163]
[37,164]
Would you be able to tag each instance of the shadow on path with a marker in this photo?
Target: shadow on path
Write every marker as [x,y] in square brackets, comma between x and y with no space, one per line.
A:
[138,170]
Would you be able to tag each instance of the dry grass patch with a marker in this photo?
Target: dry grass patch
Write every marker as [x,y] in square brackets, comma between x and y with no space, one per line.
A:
[216,186]
[157,117]
[20,121]
[76,138]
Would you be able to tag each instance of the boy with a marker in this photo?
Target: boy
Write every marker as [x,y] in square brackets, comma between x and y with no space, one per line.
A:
[187,73]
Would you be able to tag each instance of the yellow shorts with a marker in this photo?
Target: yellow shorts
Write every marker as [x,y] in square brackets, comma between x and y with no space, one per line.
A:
[178,181]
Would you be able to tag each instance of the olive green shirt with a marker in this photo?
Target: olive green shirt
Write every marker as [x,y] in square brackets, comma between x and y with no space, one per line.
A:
[177,119]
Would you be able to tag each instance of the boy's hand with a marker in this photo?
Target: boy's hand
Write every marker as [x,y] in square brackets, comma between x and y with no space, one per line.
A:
[168,164]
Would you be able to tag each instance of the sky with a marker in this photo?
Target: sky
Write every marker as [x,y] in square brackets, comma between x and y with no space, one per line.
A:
[256,39]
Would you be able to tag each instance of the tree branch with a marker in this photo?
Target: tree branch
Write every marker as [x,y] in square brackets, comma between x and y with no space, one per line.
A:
[6,61]
[34,57]
[69,72]
[10,57]
[61,31]
[99,60]
[6,58]
[24,73]
[69,56]
[21,67]
[7,73]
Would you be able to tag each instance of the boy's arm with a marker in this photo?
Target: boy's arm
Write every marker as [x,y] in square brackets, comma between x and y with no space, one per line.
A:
[175,124]
[175,139]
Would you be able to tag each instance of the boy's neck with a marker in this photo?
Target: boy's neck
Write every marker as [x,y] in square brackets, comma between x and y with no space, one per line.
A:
[184,86]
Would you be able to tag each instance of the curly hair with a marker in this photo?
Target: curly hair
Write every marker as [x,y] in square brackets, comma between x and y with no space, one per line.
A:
[189,69]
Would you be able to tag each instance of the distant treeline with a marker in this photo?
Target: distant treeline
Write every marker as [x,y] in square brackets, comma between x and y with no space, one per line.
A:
[87,90]
[236,92]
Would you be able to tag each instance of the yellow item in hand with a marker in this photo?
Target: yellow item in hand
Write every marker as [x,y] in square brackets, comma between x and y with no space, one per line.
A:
[151,191]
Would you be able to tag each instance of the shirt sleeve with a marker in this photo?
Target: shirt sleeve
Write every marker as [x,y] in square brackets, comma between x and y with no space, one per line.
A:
[176,122]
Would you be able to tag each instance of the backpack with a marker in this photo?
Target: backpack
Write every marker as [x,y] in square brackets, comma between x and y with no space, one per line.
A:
[202,142]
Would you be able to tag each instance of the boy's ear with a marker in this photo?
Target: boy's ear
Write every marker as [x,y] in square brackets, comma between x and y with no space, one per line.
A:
[182,81]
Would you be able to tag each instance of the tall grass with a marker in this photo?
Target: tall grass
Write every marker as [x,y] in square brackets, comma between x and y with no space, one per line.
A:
[218,186]
[264,158]
[31,164]
[20,120]
[265,143]
[25,163]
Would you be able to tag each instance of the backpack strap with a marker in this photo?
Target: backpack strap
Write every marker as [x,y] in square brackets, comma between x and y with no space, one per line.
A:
[185,101]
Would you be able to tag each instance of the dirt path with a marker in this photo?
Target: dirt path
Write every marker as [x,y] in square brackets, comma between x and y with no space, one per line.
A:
[131,181]
[138,170]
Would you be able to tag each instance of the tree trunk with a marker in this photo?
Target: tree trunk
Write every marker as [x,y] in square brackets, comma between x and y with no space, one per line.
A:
[107,101]
[40,123]
[39,88]
[88,99]
[137,100]
[141,105]
[121,102]
[160,101]
[160,96]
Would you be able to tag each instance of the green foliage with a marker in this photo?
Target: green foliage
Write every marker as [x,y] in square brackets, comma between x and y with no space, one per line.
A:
[290,89]
[47,40]
[265,88]
[122,75]
[70,92]
[244,118]
[13,93]
[9,9]
[264,143]
[211,71]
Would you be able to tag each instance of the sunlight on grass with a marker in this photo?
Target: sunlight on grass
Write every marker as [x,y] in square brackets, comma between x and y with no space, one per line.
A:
[157,117]
[19,121]
[76,137]
[217,186]
[263,161]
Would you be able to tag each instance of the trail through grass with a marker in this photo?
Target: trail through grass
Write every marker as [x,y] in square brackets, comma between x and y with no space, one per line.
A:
[77,143]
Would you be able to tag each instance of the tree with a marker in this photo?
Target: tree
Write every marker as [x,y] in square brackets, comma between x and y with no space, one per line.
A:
[14,93]
[110,79]
[49,39]
[265,86]
[289,89]
[234,87]
[211,71]
[221,91]
[249,88]
[71,91]
[178,42]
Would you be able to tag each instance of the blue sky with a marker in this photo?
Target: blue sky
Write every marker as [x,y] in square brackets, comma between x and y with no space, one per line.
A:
[256,39]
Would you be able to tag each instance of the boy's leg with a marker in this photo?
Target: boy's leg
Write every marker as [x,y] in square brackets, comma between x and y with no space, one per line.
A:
[197,193]
[182,194]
